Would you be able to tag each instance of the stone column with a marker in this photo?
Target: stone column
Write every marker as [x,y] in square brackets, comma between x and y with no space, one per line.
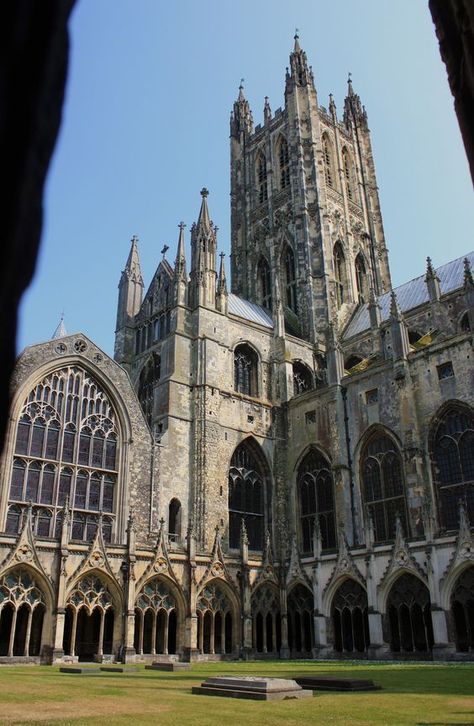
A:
[319,621]
[284,650]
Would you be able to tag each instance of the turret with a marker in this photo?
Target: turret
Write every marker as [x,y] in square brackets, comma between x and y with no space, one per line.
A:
[241,120]
[202,290]
[299,74]
[180,277]
[129,303]
[222,294]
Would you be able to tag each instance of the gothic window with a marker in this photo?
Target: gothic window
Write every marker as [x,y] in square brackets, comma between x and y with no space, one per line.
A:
[328,162]
[409,616]
[316,500]
[245,370]
[156,620]
[215,622]
[266,620]
[174,521]
[284,163]
[66,450]
[249,498]
[264,283]
[383,486]
[149,376]
[22,608]
[361,278]
[350,619]
[290,279]
[453,465]
[300,620]
[89,623]
[462,611]
[262,178]
[465,324]
[340,278]
[302,378]
[347,169]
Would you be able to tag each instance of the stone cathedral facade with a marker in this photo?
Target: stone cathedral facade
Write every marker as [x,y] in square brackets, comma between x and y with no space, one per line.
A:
[280,469]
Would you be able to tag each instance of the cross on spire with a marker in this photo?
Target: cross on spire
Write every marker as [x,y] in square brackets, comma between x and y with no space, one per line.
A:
[164,251]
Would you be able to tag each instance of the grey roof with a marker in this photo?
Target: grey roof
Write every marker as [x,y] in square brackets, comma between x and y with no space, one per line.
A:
[249,311]
[411,294]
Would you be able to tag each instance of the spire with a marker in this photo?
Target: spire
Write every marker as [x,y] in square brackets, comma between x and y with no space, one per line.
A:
[204,221]
[132,267]
[432,281]
[300,74]
[60,331]
[332,107]
[354,112]
[395,311]
[241,120]
[398,330]
[129,303]
[180,262]
[222,284]
[296,48]
[375,312]
[203,258]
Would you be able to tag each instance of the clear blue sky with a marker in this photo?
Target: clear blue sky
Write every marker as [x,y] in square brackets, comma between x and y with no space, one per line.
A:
[146,125]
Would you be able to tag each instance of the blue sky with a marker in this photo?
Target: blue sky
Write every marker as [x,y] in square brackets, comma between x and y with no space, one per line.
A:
[146,125]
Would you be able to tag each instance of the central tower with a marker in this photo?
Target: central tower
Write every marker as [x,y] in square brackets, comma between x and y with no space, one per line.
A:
[306,228]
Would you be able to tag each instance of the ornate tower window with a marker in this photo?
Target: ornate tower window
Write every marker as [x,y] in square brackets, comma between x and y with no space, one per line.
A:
[316,500]
[302,378]
[347,168]
[361,278]
[452,452]
[290,279]
[328,162]
[262,178]
[149,376]
[339,262]
[245,370]
[264,283]
[65,450]
[249,498]
[383,485]
[284,163]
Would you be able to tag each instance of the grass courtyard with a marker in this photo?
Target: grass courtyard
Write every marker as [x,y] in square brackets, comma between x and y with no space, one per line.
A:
[413,695]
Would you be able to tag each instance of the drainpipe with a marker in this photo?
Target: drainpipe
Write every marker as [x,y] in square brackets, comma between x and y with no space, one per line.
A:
[349,464]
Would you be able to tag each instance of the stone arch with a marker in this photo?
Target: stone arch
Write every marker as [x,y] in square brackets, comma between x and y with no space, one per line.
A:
[250,494]
[218,611]
[300,607]
[348,610]
[266,619]
[261,175]
[160,613]
[315,497]
[25,611]
[303,378]
[449,582]
[341,278]
[450,441]
[407,607]
[461,608]
[264,283]
[289,276]
[282,154]
[246,362]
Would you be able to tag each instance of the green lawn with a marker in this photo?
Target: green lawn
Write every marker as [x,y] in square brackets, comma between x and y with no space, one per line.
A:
[413,694]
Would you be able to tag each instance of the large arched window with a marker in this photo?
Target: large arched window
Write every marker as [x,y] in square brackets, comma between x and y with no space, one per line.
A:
[264,283]
[453,465]
[284,163]
[361,278]
[246,370]
[65,450]
[316,500]
[290,279]
[328,162]
[249,497]
[262,178]
[348,173]
[149,376]
[383,485]
[302,378]
[340,278]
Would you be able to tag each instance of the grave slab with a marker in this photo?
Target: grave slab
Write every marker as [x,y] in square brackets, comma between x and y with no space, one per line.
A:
[252,687]
[77,670]
[167,667]
[330,683]
[119,669]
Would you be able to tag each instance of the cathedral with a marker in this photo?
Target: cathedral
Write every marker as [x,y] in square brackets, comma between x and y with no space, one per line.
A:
[276,466]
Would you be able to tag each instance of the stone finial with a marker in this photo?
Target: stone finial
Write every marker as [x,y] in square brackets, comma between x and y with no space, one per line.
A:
[432,281]
[468,279]
[267,111]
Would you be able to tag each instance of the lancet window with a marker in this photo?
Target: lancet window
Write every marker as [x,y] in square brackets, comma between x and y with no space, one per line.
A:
[361,278]
[328,162]
[149,376]
[215,621]
[409,615]
[262,178]
[66,449]
[453,465]
[89,624]
[339,262]
[246,370]
[156,619]
[300,620]
[347,169]
[284,163]
[248,498]
[383,486]
[264,283]
[290,279]
[22,609]
[316,501]
[266,620]
[350,618]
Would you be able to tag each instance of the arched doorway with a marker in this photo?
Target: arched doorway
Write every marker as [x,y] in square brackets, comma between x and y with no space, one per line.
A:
[300,621]
[215,621]
[462,611]
[409,616]
[350,619]
[156,619]
[266,621]
[22,609]
[89,624]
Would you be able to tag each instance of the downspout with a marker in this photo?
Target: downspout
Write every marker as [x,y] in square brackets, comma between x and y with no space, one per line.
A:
[349,464]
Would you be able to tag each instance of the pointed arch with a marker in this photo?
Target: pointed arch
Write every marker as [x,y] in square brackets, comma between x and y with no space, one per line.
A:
[451,444]
[461,606]
[328,159]
[382,482]
[348,171]
[150,374]
[159,616]
[264,283]
[300,620]
[23,607]
[340,273]
[349,617]
[249,494]
[302,378]
[283,156]
[261,176]
[315,488]
[218,611]
[408,615]
[362,281]
[266,619]
[289,278]
[246,368]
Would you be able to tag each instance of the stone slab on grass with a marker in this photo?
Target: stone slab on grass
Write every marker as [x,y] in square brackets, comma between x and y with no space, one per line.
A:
[167,667]
[77,670]
[331,683]
[252,687]
[119,669]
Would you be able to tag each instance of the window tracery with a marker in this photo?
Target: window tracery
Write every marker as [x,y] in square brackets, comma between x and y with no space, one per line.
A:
[156,619]
[65,450]
[264,283]
[89,621]
[262,178]
[347,168]
[149,377]
[302,378]
[245,370]
[284,163]
[361,278]
[215,621]
[328,162]
[290,279]
[339,262]
[409,616]
[316,500]
[248,498]
[300,620]
[266,620]
[350,618]
[22,608]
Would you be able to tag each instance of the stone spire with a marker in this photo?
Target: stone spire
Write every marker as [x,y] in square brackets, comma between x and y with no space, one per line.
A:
[432,281]
[241,120]
[222,294]
[300,74]
[60,331]
[354,112]
[203,258]
[398,330]
[129,303]
[180,262]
